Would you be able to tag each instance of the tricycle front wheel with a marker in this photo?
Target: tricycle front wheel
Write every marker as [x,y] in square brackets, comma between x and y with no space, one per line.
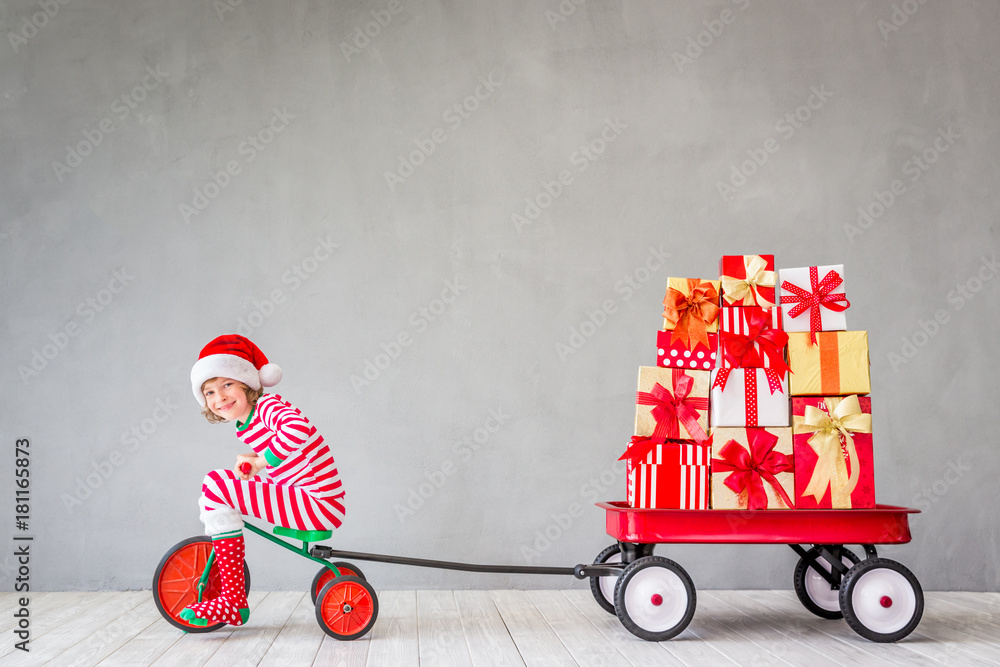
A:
[176,580]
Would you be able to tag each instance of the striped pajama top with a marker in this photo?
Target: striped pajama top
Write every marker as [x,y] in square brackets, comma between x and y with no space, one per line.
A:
[294,449]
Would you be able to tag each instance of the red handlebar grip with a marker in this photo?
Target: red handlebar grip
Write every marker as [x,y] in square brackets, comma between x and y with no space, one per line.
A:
[245,467]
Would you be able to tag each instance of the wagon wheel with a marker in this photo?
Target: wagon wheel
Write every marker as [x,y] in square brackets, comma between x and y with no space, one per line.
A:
[816,593]
[603,588]
[655,598]
[346,608]
[325,576]
[881,600]
[176,579]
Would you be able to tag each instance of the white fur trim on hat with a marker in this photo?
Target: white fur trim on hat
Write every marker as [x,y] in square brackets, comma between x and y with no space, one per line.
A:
[220,520]
[224,366]
[270,375]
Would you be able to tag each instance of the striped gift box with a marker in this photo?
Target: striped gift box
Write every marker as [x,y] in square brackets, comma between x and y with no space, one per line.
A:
[674,475]
[735,321]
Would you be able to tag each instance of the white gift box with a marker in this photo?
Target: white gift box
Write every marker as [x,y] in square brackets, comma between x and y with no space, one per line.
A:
[830,320]
[747,400]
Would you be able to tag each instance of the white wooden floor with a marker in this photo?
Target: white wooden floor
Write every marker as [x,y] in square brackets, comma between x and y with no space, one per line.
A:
[493,628]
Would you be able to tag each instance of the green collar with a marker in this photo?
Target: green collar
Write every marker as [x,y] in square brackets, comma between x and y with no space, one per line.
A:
[241,426]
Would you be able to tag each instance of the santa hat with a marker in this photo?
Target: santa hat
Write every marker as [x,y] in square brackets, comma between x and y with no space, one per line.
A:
[235,357]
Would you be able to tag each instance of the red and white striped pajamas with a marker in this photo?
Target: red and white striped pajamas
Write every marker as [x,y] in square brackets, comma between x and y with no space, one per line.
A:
[304,491]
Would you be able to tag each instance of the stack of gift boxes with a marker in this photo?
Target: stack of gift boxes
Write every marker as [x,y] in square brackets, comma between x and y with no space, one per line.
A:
[758,399]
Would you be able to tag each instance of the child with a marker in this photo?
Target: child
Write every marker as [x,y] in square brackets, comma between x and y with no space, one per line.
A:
[304,490]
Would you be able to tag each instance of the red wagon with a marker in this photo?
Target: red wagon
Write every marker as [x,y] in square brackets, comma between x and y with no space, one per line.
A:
[655,598]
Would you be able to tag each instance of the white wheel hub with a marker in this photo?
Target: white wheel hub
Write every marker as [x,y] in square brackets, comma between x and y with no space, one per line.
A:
[883,600]
[607,584]
[819,589]
[656,599]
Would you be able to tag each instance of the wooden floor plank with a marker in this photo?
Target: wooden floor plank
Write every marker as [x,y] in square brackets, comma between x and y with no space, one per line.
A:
[535,640]
[248,643]
[336,653]
[803,628]
[299,640]
[394,637]
[39,605]
[635,650]
[195,649]
[578,635]
[896,654]
[147,646]
[709,629]
[106,640]
[485,633]
[439,627]
[752,628]
[71,625]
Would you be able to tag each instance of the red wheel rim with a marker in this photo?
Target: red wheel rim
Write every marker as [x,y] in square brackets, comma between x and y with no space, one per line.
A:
[177,586]
[347,608]
[327,577]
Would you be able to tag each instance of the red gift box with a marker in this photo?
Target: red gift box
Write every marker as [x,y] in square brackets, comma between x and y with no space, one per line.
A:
[672,475]
[747,280]
[752,338]
[677,355]
[832,442]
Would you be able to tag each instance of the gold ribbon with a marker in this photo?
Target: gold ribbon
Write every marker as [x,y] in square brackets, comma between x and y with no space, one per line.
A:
[829,428]
[734,290]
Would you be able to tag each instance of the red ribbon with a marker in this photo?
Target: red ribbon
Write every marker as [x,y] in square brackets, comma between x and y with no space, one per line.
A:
[773,379]
[819,296]
[672,410]
[750,467]
[640,446]
[742,351]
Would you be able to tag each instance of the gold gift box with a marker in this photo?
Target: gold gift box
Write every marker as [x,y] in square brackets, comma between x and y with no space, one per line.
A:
[682,286]
[836,365]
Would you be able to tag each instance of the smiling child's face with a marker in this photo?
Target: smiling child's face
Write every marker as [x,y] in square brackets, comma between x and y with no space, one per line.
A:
[227,398]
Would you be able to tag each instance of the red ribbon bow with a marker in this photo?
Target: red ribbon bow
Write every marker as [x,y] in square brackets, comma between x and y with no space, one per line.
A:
[749,379]
[740,349]
[750,467]
[691,313]
[819,296]
[637,449]
[672,410]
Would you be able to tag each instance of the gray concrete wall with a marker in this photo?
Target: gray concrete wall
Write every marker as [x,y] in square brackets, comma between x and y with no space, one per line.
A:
[381,189]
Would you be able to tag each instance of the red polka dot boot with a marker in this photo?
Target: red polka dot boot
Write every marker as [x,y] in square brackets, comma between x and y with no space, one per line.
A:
[231,606]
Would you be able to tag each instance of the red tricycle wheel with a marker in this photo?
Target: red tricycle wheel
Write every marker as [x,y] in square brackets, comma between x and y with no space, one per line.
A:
[325,576]
[175,582]
[346,608]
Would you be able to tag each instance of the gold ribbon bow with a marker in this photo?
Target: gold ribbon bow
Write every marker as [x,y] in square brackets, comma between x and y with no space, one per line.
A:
[830,428]
[734,290]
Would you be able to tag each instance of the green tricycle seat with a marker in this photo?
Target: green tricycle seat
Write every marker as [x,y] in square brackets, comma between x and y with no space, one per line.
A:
[304,535]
